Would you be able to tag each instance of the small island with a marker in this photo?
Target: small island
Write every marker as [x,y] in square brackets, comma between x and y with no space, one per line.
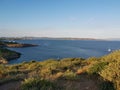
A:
[18,45]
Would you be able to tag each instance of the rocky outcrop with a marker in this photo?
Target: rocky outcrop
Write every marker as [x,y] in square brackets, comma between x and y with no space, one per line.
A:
[6,55]
[14,55]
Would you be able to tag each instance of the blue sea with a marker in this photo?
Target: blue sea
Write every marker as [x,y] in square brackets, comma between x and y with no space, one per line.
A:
[57,49]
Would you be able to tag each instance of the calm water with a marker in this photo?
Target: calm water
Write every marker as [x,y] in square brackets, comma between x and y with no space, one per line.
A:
[64,48]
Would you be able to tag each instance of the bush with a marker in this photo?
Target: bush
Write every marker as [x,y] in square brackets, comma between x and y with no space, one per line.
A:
[112,73]
[37,84]
[94,69]
[70,75]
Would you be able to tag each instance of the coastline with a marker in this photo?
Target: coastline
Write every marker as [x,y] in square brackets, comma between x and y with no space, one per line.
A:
[6,54]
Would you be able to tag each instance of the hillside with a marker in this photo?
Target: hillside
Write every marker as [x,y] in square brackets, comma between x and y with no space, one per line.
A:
[101,73]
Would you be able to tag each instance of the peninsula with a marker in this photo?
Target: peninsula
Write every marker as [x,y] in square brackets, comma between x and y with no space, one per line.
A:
[6,55]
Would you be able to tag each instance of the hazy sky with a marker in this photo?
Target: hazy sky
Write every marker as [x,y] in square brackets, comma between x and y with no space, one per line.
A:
[60,18]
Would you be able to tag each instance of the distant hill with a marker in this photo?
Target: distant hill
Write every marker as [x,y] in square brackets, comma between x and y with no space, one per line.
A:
[114,39]
[48,38]
[15,38]
[66,38]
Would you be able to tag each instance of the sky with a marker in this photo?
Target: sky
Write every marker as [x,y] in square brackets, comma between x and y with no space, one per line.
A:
[60,18]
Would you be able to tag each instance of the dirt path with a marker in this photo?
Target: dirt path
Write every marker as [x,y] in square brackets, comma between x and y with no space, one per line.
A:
[83,83]
[10,86]
[79,85]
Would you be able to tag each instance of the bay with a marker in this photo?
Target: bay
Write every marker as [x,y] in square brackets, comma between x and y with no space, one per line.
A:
[57,49]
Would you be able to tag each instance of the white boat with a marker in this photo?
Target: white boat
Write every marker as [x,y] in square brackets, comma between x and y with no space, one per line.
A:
[109,50]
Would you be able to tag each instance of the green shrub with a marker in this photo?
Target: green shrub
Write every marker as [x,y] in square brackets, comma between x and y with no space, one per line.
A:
[37,84]
[94,69]
[112,73]
[70,75]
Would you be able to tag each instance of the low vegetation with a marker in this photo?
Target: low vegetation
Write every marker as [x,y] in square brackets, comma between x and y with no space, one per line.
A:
[63,74]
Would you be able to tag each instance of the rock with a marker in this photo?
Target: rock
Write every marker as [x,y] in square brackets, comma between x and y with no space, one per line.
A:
[6,55]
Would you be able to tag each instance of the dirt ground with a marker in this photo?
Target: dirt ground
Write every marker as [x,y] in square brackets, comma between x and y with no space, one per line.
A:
[81,84]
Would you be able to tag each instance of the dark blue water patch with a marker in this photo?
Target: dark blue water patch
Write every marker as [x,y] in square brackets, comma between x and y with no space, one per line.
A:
[64,48]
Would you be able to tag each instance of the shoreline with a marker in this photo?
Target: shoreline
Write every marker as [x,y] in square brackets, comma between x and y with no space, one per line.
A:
[7,55]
